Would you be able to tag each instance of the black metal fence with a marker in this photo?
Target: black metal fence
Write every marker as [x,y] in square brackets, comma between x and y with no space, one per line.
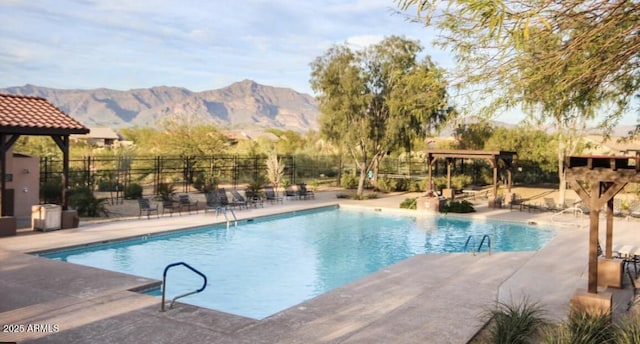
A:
[114,174]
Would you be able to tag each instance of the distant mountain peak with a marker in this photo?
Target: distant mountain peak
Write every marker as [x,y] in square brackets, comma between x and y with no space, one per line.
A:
[243,103]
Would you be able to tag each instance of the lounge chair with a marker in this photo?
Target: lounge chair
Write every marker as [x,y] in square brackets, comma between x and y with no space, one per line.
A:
[185,202]
[145,207]
[496,202]
[516,202]
[290,193]
[303,192]
[212,202]
[238,199]
[224,200]
[270,195]
[254,198]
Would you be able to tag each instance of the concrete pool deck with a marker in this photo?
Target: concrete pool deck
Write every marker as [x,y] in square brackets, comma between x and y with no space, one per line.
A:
[427,298]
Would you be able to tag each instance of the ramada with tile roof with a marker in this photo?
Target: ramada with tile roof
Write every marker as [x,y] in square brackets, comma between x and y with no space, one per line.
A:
[27,115]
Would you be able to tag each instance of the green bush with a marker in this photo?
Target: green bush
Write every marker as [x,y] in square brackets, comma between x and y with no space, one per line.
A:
[349,181]
[166,190]
[385,184]
[463,206]
[205,183]
[409,203]
[584,328]
[51,192]
[402,184]
[513,324]
[85,203]
[133,191]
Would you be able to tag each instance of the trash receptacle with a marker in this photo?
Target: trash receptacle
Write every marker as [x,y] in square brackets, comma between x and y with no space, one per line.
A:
[46,217]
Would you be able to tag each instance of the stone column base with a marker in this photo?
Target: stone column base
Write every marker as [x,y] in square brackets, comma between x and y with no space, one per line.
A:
[600,303]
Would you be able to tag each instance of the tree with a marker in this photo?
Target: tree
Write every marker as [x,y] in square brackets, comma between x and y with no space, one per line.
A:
[377,99]
[473,135]
[565,61]
[579,44]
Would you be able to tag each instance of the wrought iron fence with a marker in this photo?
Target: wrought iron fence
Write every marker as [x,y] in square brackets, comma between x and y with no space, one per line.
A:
[115,174]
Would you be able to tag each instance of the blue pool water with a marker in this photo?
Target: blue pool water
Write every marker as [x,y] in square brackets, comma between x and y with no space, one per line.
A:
[267,265]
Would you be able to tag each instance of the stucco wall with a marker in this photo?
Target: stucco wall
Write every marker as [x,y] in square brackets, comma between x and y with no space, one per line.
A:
[25,172]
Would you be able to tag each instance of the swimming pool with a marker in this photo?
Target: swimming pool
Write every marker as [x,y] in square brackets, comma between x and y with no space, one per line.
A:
[269,264]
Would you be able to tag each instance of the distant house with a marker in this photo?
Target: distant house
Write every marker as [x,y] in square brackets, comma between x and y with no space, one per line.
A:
[100,137]
[598,145]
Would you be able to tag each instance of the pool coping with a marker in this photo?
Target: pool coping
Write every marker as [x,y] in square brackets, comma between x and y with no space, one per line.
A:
[330,317]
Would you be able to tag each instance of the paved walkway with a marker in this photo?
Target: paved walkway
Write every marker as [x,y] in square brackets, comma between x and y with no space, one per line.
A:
[428,298]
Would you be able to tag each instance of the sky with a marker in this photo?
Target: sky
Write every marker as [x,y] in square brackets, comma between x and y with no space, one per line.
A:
[198,45]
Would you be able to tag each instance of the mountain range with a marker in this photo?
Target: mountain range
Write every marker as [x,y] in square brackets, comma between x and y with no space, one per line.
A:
[244,104]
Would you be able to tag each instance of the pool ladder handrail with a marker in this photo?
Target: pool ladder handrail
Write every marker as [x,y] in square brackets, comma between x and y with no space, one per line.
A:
[164,283]
[472,239]
[486,236]
[224,212]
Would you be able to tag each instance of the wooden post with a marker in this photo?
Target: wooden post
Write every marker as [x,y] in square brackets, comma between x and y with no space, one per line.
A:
[594,215]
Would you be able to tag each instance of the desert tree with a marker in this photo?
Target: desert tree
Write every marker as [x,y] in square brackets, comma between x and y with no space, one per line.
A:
[568,63]
[377,99]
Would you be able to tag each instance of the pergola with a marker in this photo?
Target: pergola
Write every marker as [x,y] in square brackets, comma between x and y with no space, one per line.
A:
[34,116]
[494,158]
[597,179]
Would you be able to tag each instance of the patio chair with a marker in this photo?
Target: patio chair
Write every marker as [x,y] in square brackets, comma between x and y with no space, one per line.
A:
[212,202]
[169,204]
[224,200]
[290,193]
[185,202]
[270,195]
[303,192]
[516,202]
[254,198]
[238,199]
[145,207]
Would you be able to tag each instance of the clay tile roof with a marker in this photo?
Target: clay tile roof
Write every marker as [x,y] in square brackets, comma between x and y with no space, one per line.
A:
[35,116]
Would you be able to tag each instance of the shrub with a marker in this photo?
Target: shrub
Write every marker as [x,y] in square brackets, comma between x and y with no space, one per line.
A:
[85,203]
[51,192]
[409,203]
[629,331]
[513,324]
[402,184]
[254,189]
[415,186]
[133,191]
[349,181]
[385,184]
[463,206]
[585,328]
[166,190]
[205,183]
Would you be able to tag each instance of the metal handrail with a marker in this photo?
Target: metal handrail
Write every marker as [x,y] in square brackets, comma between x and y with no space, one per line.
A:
[224,212]
[466,244]
[486,236]
[164,283]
